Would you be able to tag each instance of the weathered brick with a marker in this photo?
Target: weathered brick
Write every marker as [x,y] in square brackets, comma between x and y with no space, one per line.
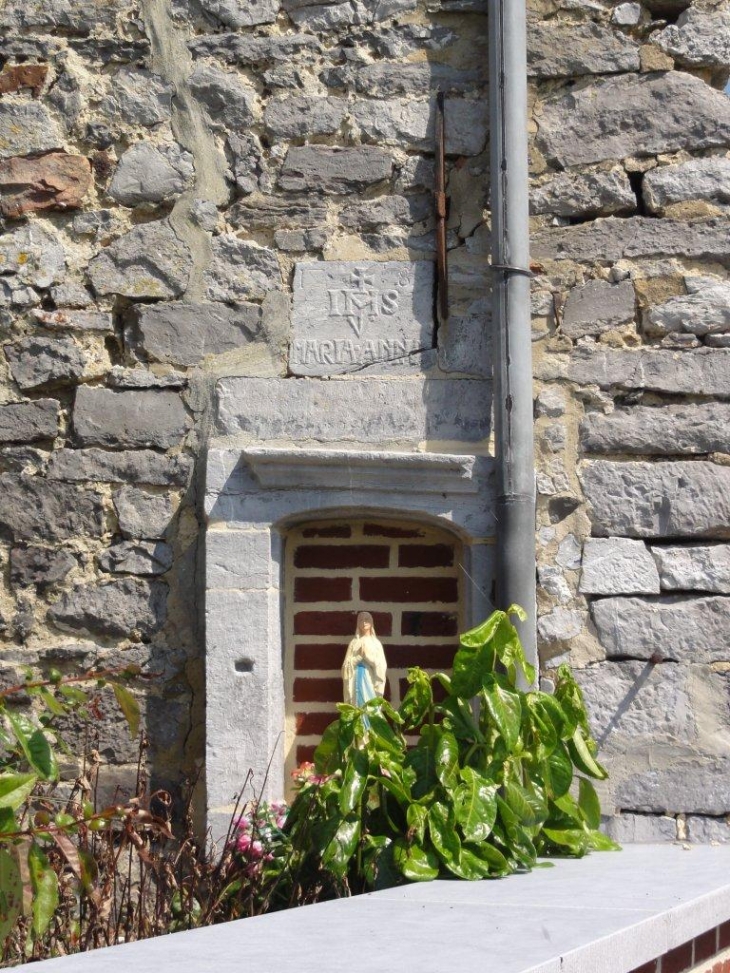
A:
[411,590]
[337,623]
[345,556]
[425,555]
[322,589]
[428,623]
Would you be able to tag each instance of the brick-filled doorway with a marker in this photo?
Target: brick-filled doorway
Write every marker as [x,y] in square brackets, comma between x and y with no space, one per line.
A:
[407,575]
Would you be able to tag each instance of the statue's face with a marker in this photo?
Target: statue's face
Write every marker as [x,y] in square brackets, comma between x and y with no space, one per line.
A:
[366,628]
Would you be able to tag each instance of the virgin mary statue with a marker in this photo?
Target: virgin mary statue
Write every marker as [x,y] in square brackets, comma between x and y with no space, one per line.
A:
[364,668]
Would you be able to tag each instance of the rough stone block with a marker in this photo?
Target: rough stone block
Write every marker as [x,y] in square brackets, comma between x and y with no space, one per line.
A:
[28,422]
[183,334]
[36,362]
[229,102]
[137,557]
[150,174]
[99,321]
[618,566]
[140,97]
[694,568]
[705,830]
[627,14]
[632,705]
[597,307]
[16,77]
[142,514]
[560,50]
[613,239]
[119,608]
[692,786]
[74,16]
[349,314]
[702,372]
[700,38]
[411,124]
[560,625]
[584,194]
[34,509]
[633,115]
[52,181]
[33,254]
[148,261]
[240,269]
[680,628]
[304,115]
[39,566]
[320,168]
[275,212]
[707,179]
[704,310]
[138,466]
[26,128]
[388,79]
[238,559]
[632,829]
[680,499]
[104,417]
[354,410]
[465,340]
[242,13]
[248,50]
[655,431]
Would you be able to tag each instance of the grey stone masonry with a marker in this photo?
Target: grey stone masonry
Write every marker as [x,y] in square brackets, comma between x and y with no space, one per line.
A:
[702,372]
[25,128]
[597,307]
[698,39]
[572,50]
[142,514]
[676,628]
[348,314]
[123,466]
[707,179]
[27,422]
[694,567]
[149,261]
[680,499]
[634,115]
[354,410]
[689,785]
[183,333]
[614,239]
[335,170]
[102,417]
[584,194]
[118,608]
[34,509]
[704,310]
[668,430]
[617,566]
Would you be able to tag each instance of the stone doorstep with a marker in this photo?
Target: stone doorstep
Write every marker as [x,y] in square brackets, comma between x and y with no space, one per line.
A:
[607,913]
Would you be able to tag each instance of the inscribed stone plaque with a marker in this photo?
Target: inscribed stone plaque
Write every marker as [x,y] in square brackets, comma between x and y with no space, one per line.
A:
[351,314]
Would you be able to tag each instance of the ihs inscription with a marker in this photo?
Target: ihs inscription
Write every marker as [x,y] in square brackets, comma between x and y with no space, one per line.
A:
[351,314]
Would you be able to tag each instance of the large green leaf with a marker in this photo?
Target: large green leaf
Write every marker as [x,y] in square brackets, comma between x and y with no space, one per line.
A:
[588,803]
[443,833]
[342,846]
[416,818]
[518,841]
[460,719]
[468,866]
[353,782]
[15,789]
[383,736]
[575,841]
[477,637]
[327,754]
[447,760]
[601,842]
[505,709]
[35,746]
[418,700]
[583,758]
[559,771]
[510,653]
[422,760]
[11,893]
[528,806]
[129,707]
[415,863]
[45,890]
[475,804]
[495,861]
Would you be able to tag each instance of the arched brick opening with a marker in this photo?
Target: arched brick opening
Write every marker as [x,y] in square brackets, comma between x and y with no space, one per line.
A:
[409,575]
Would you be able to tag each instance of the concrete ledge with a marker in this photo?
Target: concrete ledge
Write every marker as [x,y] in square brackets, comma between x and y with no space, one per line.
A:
[293,469]
[608,913]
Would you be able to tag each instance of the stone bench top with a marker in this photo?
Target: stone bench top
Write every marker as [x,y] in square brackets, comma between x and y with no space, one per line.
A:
[607,913]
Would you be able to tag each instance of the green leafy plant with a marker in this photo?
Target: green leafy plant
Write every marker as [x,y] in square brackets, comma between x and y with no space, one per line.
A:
[488,785]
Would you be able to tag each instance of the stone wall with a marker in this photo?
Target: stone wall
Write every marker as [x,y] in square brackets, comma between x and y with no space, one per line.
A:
[630,237]
[164,167]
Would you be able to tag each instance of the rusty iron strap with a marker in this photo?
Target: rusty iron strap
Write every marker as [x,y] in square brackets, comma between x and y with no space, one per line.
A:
[442,260]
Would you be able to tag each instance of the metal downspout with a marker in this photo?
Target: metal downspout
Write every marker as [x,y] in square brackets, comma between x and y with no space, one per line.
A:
[513,409]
